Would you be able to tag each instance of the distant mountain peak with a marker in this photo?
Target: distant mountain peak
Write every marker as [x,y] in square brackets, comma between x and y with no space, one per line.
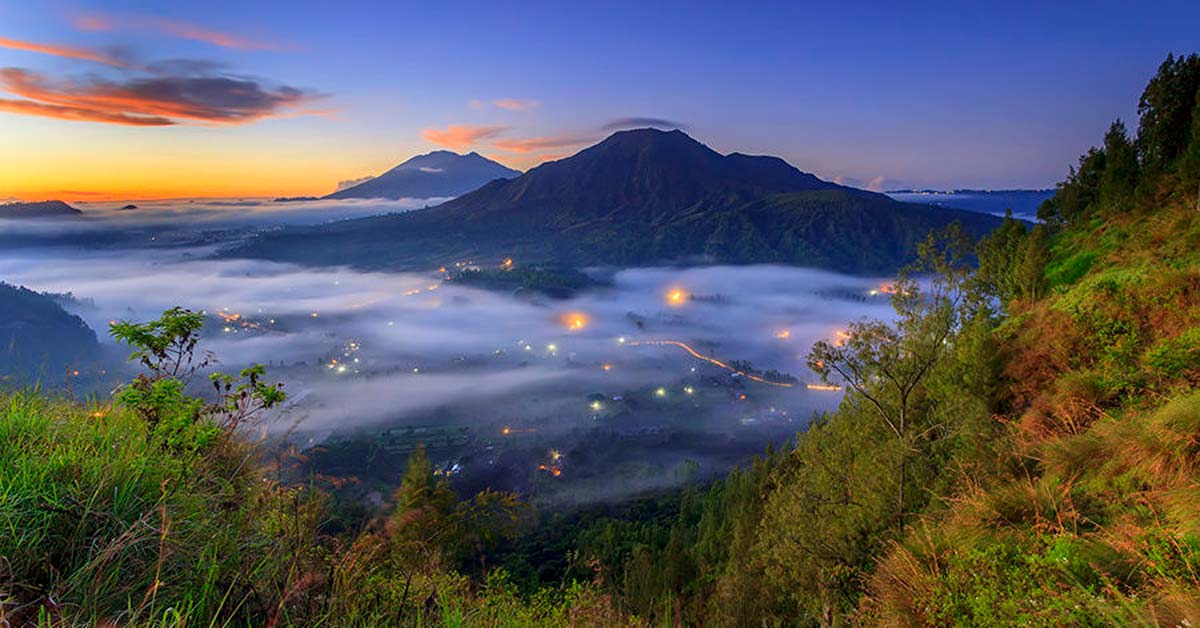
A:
[37,209]
[439,173]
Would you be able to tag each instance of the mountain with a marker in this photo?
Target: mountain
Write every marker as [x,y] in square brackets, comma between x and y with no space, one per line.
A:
[438,174]
[39,340]
[39,209]
[640,196]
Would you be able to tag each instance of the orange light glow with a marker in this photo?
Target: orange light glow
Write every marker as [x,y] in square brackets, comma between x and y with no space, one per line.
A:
[783,334]
[607,367]
[676,297]
[574,321]
[822,387]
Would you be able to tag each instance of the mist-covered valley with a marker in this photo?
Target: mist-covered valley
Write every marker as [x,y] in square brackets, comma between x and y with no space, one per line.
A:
[649,378]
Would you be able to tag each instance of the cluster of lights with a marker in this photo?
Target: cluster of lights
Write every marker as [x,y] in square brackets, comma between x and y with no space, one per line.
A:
[554,468]
[234,321]
[349,360]
[676,297]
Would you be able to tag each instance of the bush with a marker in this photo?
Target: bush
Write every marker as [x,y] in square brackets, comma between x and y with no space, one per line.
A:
[1172,358]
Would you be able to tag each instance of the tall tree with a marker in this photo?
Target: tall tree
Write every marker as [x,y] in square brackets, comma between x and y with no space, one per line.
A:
[887,364]
[1165,111]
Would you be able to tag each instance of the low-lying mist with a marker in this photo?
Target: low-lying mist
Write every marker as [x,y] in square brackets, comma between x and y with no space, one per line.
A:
[376,355]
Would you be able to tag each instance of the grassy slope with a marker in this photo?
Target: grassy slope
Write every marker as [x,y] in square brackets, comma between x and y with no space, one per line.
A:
[102,524]
[1094,518]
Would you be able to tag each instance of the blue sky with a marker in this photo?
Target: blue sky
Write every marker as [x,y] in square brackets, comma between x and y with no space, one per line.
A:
[926,94]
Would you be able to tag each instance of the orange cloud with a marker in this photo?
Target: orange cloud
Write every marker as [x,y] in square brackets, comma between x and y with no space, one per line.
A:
[158,100]
[29,108]
[174,28]
[517,104]
[461,136]
[534,144]
[63,51]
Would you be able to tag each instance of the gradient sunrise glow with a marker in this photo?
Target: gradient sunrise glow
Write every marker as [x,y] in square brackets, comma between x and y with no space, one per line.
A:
[120,99]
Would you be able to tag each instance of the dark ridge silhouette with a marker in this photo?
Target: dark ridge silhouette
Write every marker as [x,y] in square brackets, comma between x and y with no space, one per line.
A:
[39,340]
[38,209]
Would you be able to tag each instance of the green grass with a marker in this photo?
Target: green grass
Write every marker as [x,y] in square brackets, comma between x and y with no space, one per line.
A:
[103,521]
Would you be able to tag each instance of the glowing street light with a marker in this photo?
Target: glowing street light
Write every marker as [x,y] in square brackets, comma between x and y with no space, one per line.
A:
[676,297]
[574,321]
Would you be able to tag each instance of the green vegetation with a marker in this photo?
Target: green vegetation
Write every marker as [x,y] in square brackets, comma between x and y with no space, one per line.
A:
[1020,447]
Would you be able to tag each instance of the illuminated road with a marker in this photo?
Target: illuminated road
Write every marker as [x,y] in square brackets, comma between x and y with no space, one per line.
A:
[710,360]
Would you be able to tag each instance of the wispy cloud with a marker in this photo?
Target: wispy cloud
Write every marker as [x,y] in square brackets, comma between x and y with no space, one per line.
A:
[152,100]
[517,104]
[173,28]
[70,52]
[510,104]
[534,144]
[461,136]
[637,122]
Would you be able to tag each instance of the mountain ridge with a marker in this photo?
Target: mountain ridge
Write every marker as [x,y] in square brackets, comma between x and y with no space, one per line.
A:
[37,209]
[637,197]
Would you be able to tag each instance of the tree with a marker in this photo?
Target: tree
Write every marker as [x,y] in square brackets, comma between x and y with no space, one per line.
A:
[1165,111]
[167,348]
[1120,176]
[1030,274]
[1075,199]
[999,254]
[886,365]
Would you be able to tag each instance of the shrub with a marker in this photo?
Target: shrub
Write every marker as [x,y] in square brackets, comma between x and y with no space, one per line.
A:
[1172,358]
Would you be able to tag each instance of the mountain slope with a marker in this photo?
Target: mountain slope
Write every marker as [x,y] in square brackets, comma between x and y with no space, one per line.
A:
[437,174]
[39,209]
[38,338]
[638,197]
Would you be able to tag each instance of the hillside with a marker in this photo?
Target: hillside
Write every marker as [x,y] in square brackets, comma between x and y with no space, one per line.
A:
[638,197]
[1018,449]
[433,175]
[38,209]
[39,340]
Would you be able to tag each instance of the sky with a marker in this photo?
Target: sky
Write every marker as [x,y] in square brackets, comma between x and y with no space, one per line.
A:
[125,99]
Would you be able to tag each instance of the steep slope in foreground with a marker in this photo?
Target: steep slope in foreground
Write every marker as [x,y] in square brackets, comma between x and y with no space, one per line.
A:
[39,209]
[437,174]
[638,197]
